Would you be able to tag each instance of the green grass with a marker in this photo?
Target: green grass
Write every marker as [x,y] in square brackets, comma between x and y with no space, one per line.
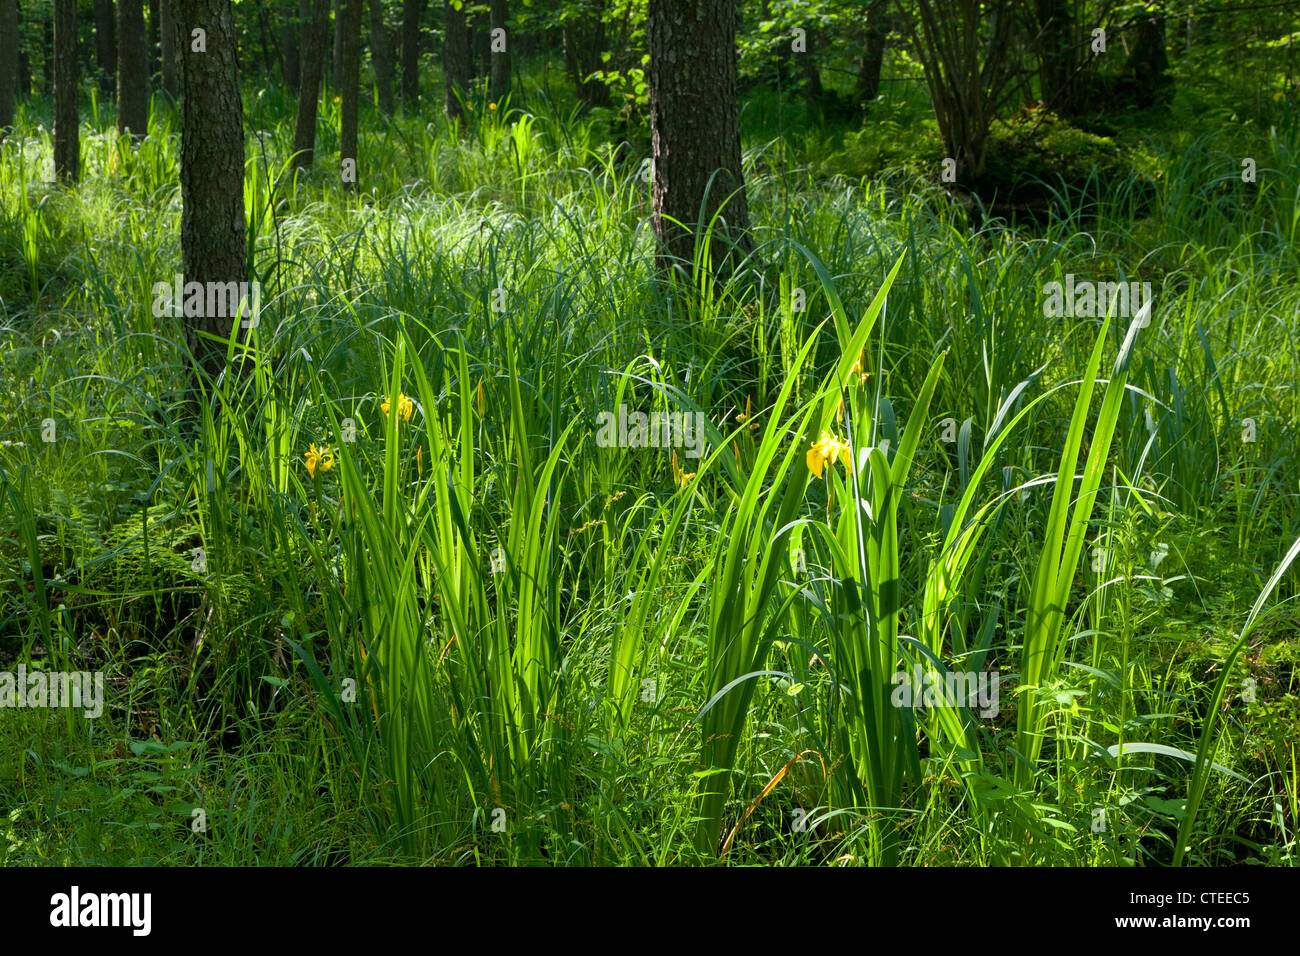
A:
[479,637]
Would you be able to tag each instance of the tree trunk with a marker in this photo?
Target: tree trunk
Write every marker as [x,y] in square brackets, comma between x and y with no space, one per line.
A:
[381,53]
[290,28]
[814,94]
[1149,61]
[499,82]
[8,63]
[965,73]
[350,92]
[1057,58]
[24,64]
[584,42]
[105,45]
[213,239]
[478,42]
[867,87]
[336,69]
[315,39]
[411,10]
[695,126]
[167,41]
[455,59]
[67,135]
[265,36]
[132,70]
[151,42]
[47,50]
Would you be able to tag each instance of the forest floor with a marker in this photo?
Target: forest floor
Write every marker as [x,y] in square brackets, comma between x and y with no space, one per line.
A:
[466,631]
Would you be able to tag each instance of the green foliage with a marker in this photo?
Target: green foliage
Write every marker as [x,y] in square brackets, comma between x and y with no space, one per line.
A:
[644,673]
[1036,151]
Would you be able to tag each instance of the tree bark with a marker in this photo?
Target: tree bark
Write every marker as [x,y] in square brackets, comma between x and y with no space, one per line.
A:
[151,40]
[814,94]
[8,63]
[1057,58]
[336,68]
[105,45]
[867,87]
[381,54]
[267,39]
[67,134]
[479,53]
[24,63]
[411,10]
[351,89]
[965,72]
[47,50]
[315,39]
[290,29]
[132,70]
[167,46]
[213,239]
[499,47]
[455,59]
[695,127]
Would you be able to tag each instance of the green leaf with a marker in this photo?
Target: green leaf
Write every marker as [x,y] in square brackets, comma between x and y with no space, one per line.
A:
[1160,749]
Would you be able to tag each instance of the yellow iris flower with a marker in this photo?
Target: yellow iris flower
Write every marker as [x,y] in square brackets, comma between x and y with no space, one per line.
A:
[827,448]
[680,476]
[747,417]
[404,407]
[321,458]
